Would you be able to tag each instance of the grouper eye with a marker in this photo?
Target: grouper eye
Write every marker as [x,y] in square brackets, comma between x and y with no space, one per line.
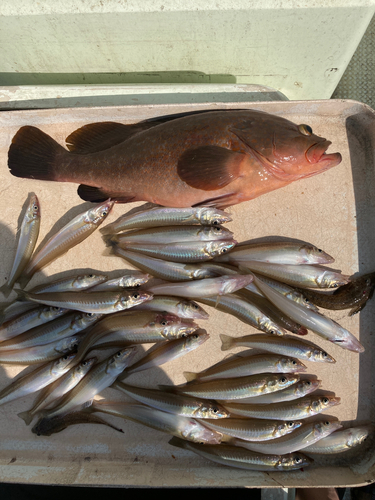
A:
[305,129]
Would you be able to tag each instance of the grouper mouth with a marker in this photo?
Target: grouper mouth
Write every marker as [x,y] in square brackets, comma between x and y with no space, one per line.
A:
[317,154]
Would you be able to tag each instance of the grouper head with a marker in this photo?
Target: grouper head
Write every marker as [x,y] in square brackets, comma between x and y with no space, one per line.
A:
[286,150]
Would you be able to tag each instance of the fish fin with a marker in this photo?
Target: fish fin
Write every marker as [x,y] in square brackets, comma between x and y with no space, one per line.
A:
[209,167]
[190,376]
[96,137]
[167,118]
[227,342]
[179,443]
[27,416]
[96,195]
[21,295]
[34,154]
[110,240]
[100,136]
[6,290]
[353,311]
[223,201]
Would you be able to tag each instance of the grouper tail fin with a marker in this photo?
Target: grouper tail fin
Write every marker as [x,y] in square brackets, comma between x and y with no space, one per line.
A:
[35,155]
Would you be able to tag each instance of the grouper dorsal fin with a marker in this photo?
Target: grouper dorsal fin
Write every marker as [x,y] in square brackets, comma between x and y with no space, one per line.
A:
[99,136]
[96,137]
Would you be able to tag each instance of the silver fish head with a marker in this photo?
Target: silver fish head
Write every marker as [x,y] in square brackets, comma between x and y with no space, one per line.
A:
[290,365]
[97,214]
[171,326]
[321,356]
[68,344]
[135,280]
[356,436]
[84,320]
[88,280]
[119,361]
[305,387]
[346,340]
[215,248]
[197,433]
[61,364]
[85,366]
[286,428]
[165,319]
[190,309]
[128,300]
[195,339]
[293,461]
[33,210]
[216,232]
[212,216]
[234,283]
[282,381]
[181,330]
[199,272]
[313,255]
[51,312]
[325,427]
[331,279]
[268,326]
[211,410]
[321,403]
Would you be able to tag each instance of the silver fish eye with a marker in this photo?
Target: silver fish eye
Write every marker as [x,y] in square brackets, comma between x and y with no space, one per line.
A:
[215,410]
[308,382]
[297,460]
[164,323]
[290,424]
[135,295]
[283,380]
[325,400]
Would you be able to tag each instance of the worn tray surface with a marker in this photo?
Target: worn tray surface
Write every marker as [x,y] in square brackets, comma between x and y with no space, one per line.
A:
[334,210]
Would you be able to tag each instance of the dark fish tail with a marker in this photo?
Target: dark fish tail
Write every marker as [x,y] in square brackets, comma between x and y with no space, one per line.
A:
[35,155]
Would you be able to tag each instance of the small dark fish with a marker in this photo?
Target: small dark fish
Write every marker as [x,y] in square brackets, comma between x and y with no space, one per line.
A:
[49,426]
[354,295]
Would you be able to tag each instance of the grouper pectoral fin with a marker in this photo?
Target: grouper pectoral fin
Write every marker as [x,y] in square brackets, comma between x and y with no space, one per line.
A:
[209,167]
